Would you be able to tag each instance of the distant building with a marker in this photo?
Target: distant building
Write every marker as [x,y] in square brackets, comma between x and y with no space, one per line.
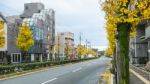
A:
[101,53]
[65,39]
[95,49]
[12,19]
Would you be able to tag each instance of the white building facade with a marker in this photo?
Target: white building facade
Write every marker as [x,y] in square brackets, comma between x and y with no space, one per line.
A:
[65,39]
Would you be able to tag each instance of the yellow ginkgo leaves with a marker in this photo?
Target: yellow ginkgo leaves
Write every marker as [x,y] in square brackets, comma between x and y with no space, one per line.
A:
[85,51]
[25,38]
[125,11]
[2,32]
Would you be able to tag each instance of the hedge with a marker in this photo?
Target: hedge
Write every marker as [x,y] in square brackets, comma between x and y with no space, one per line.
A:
[7,69]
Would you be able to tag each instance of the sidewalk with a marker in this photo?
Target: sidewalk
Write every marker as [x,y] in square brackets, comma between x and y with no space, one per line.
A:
[107,76]
[135,80]
[139,76]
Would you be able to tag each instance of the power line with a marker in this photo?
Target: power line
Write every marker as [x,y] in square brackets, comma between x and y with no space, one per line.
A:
[80,38]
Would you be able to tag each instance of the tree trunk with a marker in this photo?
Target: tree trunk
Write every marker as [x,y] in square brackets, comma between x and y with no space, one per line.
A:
[115,65]
[123,30]
[51,52]
[24,56]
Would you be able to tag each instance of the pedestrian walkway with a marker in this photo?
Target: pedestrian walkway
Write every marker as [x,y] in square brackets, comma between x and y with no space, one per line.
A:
[135,80]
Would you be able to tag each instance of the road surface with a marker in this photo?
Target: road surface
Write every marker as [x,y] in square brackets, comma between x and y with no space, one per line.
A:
[86,72]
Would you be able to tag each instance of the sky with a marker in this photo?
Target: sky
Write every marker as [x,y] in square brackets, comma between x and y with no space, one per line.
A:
[75,16]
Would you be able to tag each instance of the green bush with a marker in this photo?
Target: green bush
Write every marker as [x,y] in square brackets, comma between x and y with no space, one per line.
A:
[6,69]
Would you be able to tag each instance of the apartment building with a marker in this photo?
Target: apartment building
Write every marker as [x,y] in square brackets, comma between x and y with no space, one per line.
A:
[13,52]
[42,23]
[140,44]
[65,40]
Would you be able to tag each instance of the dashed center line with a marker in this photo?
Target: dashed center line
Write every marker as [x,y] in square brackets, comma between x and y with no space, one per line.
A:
[49,81]
[77,69]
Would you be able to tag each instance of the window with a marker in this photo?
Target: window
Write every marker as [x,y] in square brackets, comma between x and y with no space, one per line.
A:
[26,8]
[16,57]
[48,28]
[39,11]
[48,37]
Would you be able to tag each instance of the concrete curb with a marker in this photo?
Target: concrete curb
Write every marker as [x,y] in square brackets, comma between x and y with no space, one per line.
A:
[140,77]
[22,74]
[112,79]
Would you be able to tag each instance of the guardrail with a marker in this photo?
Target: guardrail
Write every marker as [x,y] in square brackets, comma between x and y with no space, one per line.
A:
[140,71]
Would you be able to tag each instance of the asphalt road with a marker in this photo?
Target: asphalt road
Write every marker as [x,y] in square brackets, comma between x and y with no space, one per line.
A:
[78,73]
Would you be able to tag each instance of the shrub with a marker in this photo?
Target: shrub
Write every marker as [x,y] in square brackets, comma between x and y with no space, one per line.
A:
[6,69]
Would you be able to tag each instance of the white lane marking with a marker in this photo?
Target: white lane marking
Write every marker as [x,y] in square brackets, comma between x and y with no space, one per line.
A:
[77,69]
[49,81]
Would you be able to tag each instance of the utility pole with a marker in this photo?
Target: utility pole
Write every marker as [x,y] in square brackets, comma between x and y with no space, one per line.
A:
[86,47]
[86,43]
[67,49]
[79,53]
[89,45]
[58,44]
[80,38]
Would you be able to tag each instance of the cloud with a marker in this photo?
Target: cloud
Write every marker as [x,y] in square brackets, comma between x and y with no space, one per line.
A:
[71,15]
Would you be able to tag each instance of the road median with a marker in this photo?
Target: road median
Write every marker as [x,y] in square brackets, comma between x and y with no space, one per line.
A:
[13,71]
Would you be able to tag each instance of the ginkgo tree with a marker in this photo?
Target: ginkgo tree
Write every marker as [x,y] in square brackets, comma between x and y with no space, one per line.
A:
[67,50]
[57,51]
[81,51]
[85,51]
[58,46]
[2,40]
[122,17]
[25,39]
[92,52]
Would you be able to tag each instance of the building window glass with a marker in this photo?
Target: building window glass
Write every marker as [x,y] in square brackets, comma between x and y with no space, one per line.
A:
[26,8]
[39,11]
[48,28]
[47,37]
[16,57]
